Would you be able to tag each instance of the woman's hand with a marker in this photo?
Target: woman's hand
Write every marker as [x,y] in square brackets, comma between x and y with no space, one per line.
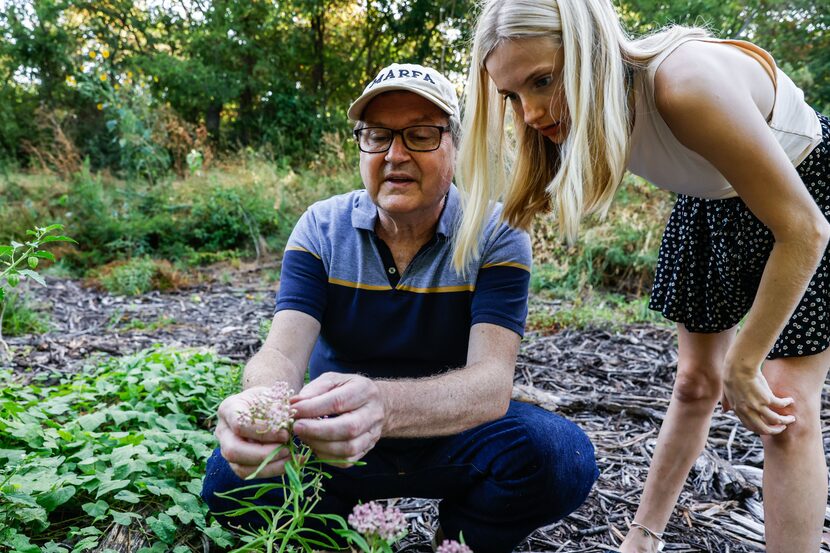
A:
[749,394]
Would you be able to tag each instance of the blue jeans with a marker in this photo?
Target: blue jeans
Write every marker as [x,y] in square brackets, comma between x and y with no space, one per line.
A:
[497,482]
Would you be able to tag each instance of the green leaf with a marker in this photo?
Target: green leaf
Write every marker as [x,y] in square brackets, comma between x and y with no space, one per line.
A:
[54,499]
[124,518]
[127,496]
[32,261]
[6,250]
[34,276]
[110,486]
[91,421]
[163,526]
[219,535]
[50,228]
[293,477]
[57,239]
[2,294]
[97,509]
[21,544]
[45,255]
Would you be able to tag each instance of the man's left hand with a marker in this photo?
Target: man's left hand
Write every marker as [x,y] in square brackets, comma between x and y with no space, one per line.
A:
[340,416]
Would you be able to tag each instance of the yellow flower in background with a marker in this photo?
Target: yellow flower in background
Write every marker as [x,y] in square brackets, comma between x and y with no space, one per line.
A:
[129,74]
[92,55]
[70,80]
[103,77]
[100,106]
[155,78]
[117,86]
[106,54]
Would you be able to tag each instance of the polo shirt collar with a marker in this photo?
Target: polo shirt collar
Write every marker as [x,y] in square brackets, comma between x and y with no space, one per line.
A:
[365,213]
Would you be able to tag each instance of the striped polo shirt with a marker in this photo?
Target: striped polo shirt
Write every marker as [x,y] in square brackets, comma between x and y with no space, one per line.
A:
[384,325]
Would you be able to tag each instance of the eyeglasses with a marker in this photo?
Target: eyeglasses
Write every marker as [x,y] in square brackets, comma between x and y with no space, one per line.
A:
[418,138]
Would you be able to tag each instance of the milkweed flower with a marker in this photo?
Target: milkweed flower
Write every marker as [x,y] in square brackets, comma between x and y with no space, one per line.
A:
[452,546]
[269,410]
[373,521]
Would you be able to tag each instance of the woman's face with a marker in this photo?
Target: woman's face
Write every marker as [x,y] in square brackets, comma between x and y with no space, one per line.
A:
[528,73]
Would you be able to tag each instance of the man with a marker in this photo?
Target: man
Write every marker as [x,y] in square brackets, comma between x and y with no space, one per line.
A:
[411,364]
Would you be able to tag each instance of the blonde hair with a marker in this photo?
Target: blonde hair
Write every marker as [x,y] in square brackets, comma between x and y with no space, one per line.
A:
[581,175]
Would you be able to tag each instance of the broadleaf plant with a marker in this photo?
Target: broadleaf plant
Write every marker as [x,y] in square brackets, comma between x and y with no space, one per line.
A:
[18,261]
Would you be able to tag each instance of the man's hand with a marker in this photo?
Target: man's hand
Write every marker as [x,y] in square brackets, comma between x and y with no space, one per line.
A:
[246,447]
[340,416]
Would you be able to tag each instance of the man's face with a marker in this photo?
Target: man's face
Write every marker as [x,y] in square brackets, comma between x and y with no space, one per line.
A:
[399,181]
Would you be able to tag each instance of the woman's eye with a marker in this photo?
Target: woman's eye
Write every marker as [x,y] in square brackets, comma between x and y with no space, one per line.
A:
[544,81]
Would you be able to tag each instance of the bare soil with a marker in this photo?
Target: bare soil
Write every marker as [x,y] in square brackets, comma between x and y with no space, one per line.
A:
[614,384]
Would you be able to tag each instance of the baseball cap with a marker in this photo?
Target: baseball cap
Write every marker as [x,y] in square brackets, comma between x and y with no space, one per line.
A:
[410,77]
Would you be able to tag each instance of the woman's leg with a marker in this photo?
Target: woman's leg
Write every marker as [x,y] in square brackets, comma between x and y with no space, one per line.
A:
[697,390]
[795,470]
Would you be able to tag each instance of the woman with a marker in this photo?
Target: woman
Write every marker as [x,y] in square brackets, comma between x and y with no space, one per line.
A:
[718,123]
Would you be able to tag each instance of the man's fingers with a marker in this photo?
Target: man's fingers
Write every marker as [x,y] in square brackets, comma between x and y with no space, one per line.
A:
[335,401]
[272,469]
[350,451]
[257,435]
[320,385]
[342,428]
[243,452]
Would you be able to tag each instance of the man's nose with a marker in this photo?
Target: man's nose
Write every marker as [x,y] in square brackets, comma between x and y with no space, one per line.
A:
[397,150]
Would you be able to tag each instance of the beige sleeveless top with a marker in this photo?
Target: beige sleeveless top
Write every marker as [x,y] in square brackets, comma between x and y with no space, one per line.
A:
[660,158]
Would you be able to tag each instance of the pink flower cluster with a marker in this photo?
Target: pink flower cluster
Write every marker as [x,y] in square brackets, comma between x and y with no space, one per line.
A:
[269,409]
[452,546]
[372,520]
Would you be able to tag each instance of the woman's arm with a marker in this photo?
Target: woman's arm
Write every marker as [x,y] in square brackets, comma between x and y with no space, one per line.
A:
[710,101]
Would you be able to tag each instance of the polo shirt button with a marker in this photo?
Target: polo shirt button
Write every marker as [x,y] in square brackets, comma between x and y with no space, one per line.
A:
[391,270]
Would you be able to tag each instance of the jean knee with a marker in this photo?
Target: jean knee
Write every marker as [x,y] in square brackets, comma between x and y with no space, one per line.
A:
[565,456]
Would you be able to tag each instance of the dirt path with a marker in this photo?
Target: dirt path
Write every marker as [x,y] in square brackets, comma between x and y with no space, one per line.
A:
[615,385]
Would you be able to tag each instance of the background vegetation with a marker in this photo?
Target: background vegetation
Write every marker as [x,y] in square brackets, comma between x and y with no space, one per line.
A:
[137,86]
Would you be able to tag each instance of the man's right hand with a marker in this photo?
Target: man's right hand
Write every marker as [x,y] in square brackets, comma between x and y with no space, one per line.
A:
[246,447]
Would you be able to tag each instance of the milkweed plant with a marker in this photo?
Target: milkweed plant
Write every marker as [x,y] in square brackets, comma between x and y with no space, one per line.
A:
[371,528]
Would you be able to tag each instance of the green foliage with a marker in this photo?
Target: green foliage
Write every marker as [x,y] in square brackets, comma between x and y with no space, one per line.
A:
[552,312]
[132,278]
[121,443]
[19,261]
[617,253]
[20,317]
[224,218]
[134,121]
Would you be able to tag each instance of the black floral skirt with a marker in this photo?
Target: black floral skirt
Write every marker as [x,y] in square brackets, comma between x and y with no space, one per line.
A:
[714,252]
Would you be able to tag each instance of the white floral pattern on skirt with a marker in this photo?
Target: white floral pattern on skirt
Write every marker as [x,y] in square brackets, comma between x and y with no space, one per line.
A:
[714,252]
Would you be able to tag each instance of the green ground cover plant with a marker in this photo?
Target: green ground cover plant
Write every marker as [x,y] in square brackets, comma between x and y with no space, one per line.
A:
[22,317]
[120,443]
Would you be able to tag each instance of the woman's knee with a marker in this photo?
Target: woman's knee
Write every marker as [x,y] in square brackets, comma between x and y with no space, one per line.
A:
[698,381]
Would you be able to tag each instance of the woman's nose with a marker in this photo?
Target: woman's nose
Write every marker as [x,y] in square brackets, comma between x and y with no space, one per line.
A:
[534,112]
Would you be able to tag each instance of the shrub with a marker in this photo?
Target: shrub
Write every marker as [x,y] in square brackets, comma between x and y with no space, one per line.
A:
[129,278]
[21,317]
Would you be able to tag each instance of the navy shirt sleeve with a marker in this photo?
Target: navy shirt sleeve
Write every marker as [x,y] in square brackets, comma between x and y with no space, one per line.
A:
[303,278]
[501,289]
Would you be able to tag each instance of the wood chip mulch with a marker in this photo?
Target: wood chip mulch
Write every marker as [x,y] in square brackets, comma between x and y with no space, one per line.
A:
[615,385]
